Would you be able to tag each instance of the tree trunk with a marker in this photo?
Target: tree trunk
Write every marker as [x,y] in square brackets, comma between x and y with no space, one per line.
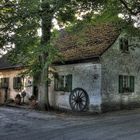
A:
[46,25]
[43,90]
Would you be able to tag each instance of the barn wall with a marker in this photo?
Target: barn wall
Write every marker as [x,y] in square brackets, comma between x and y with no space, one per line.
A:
[86,76]
[12,92]
[115,63]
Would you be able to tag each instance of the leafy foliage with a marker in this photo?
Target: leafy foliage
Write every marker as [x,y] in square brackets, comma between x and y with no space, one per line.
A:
[21,19]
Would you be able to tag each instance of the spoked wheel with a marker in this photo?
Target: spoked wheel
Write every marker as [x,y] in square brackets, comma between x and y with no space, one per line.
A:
[78,99]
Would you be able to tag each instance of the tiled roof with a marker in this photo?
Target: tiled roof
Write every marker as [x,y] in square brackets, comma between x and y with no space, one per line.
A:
[92,41]
[5,64]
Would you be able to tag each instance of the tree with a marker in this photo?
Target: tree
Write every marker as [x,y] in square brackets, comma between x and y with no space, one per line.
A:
[132,6]
[128,9]
[20,20]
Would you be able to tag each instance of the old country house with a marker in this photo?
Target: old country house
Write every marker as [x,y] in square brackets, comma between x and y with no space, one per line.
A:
[11,82]
[101,70]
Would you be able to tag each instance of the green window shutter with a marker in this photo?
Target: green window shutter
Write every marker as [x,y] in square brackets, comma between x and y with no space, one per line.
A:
[121,44]
[120,84]
[19,82]
[132,83]
[7,82]
[126,45]
[14,83]
[69,82]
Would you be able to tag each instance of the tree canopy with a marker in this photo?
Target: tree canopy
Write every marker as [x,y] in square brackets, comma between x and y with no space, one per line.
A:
[21,20]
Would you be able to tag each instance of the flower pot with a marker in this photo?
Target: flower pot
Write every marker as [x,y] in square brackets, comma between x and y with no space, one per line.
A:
[18,101]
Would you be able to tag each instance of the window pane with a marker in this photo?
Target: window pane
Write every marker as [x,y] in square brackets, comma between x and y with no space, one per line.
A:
[120,84]
[124,46]
[126,83]
[17,83]
[59,83]
[69,83]
[63,83]
[4,82]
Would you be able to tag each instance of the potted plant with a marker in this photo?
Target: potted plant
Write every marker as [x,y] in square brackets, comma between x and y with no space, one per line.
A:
[18,99]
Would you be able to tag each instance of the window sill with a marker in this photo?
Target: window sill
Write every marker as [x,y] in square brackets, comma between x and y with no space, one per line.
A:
[127,93]
[125,52]
[61,92]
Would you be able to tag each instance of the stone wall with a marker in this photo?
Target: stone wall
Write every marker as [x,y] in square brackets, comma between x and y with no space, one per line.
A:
[115,63]
[86,76]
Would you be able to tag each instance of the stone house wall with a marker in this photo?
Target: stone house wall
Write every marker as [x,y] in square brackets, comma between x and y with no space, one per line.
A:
[86,76]
[114,63]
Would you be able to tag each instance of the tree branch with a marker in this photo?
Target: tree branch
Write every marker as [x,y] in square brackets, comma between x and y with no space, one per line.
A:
[125,4]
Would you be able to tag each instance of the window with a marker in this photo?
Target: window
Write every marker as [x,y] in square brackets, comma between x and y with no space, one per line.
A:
[63,83]
[126,83]
[124,47]
[17,83]
[4,82]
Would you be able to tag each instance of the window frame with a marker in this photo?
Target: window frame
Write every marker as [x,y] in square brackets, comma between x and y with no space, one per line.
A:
[124,45]
[63,83]
[126,84]
[16,82]
[4,82]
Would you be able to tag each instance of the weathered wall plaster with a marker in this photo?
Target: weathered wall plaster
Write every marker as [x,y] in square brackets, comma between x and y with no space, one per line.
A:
[115,63]
[12,92]
[86,76]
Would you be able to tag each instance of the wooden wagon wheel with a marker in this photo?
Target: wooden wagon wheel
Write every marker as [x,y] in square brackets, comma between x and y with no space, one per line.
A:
[78,99]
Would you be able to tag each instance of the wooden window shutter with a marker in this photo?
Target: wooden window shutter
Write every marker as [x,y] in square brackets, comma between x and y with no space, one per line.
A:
[69,82]
[132,83]
[126,48]
[14,83]
[121,43]
[120,84]
[7,82]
